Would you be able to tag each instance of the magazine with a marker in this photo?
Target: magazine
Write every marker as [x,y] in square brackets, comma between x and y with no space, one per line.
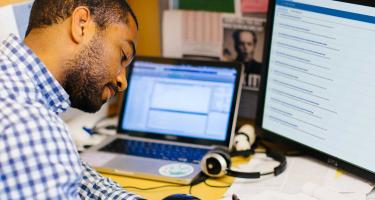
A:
[243,42]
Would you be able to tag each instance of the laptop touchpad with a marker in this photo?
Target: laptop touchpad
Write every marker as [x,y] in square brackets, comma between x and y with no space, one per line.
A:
[152,166]
[97,158]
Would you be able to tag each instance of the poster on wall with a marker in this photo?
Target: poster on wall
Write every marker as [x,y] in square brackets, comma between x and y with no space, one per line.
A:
[192,34]
[254,6]
[243,41]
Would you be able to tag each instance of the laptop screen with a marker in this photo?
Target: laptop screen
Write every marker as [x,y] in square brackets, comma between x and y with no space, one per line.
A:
[319,88]
[180,99]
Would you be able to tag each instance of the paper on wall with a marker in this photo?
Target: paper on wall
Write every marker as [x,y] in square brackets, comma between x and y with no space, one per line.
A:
[254,6]
[192,33]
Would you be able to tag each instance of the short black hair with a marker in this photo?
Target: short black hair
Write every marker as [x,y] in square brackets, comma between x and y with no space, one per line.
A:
[48,12]
[236,35]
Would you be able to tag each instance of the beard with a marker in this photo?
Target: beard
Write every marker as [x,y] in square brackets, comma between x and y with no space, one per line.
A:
[86,77]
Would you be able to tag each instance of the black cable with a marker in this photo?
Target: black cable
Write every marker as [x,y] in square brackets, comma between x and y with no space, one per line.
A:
[159,187]
[153,188]
[216,186]
[199,179]
[108,127]
[294,153]
[209,185]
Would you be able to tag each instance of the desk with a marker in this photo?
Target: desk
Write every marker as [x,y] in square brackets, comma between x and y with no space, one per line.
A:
[201,190]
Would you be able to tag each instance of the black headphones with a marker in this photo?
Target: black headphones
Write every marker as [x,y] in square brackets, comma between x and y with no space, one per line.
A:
[217,163]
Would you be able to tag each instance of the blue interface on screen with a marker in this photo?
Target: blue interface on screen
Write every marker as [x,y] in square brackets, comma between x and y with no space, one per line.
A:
[184,101]
[320,85]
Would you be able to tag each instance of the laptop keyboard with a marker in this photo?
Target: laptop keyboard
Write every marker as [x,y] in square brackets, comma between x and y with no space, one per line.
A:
[156,150]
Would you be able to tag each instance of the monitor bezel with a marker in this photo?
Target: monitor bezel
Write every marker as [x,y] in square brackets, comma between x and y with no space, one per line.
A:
[233,111]
[274,137]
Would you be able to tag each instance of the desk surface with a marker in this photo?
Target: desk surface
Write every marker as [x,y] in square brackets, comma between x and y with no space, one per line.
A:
[201,190]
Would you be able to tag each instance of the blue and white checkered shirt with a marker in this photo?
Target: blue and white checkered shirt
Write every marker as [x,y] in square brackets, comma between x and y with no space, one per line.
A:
[38,159]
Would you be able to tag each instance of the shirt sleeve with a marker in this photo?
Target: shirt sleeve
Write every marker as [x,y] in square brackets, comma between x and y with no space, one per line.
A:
[37,159]
[95,186]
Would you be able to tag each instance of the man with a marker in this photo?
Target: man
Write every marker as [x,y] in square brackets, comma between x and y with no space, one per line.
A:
[245,43]
[75,54]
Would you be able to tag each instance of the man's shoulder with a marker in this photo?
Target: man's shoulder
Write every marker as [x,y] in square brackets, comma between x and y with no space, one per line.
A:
[9,67]
[29,114]
[14,83]
[4,62]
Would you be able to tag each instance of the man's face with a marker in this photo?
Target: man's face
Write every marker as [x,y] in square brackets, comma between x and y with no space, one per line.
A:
[246,46]
[98,71]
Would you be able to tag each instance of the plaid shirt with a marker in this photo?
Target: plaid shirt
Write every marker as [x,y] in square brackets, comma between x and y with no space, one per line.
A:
[38,159]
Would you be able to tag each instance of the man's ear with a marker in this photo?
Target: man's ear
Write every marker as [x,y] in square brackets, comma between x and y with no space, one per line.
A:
[81,19]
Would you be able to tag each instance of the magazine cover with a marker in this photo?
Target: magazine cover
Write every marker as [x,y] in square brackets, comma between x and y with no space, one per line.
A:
[243,41]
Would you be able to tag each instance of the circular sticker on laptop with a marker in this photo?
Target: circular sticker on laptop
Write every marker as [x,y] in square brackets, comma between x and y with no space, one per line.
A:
[176,170]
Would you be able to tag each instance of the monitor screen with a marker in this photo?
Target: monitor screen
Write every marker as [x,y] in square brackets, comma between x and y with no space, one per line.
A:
[319,83]
[185,100]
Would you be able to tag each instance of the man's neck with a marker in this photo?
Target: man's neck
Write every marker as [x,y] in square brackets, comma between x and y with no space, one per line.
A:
[47,45]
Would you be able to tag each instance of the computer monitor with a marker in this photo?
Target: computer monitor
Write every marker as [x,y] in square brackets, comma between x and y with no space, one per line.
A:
[318,84]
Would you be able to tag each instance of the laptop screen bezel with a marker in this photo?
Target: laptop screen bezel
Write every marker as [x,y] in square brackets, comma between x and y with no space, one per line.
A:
[192,63]
[274,137]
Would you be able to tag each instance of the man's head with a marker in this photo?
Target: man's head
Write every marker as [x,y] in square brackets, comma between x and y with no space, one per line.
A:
[93,41]
[244,43]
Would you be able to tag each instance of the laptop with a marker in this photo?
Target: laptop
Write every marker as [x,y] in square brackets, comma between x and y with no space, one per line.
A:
[174,111]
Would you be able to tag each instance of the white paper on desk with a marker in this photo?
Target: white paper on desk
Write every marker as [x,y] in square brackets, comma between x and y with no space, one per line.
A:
[300,170]
[297,172]
[347,184]
[273,195]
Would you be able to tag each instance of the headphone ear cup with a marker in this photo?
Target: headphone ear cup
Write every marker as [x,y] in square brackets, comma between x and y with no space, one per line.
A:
[248,130]
[216,162]
[223,152]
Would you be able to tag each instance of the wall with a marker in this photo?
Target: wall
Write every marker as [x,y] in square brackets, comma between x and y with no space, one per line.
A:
[147,12]
[6,2]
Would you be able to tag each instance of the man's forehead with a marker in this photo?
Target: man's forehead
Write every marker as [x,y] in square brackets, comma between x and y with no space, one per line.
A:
[131,20]
[124,31]
[246,34]
[132,26]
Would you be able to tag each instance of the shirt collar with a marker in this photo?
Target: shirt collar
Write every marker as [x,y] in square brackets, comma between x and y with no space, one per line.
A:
[55,97]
